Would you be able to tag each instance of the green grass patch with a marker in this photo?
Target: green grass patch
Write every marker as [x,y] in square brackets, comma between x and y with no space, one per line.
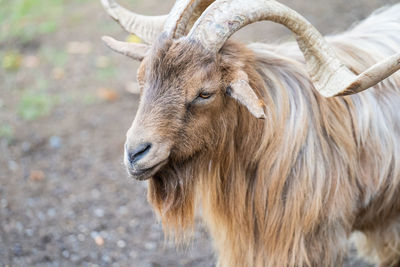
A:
[53,56]
[11,60]
[6,132]
[35,104]
[85,98]
[24,19]
[107,73]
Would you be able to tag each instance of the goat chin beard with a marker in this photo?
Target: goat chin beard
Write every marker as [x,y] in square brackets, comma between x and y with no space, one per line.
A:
[171,192]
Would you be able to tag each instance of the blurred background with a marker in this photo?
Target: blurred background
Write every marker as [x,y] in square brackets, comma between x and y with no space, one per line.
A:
[65,104]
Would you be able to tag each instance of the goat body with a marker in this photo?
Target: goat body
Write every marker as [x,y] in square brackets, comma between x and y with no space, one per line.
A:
[288,191]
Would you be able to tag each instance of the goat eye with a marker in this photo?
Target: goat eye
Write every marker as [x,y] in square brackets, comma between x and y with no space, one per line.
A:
[205,95]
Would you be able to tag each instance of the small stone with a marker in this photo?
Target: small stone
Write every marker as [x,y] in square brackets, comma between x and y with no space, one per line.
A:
[72,198]
[132,223]
[121,243]
[95,193]
[51,212]
[81,237]
[12,165]
[82,228]
[72,238]
[17,250]
[70,213]
[58,73]
[93,255]
[123,210]
[36,175]
[104,234]
[79,48]
[65,253]
[106,258]
[99,212]
[26,146]
[99,240]
[93,234]
[4,203]
[19,226]
[55,142]
[121,230]
[132,87]
[41,216]
[74,258]
[30,61]
[133,254]
[107,94]
[102,62]
[29,232]
[150,245]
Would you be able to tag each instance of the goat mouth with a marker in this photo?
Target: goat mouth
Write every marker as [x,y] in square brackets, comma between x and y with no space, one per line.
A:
[144,174]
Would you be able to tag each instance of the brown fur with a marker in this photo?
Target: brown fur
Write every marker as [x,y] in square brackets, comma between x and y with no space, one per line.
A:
[288,190]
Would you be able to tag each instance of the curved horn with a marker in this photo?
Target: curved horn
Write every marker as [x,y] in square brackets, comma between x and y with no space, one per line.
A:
[183,14]
[132,50]
[329,75]
[146,27]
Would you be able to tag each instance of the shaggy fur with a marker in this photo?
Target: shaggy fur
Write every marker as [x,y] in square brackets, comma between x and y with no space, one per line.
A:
[288,190]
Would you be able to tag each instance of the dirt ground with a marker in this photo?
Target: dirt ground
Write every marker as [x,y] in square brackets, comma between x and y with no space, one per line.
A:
[65,199]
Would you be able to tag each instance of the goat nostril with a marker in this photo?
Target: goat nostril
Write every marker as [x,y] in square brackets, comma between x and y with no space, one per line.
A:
[139,152]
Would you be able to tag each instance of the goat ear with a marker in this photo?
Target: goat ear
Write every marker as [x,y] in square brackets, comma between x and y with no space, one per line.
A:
[132,50]
[242,92]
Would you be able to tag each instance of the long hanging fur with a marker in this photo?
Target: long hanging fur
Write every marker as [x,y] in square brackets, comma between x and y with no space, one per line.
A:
[288,191]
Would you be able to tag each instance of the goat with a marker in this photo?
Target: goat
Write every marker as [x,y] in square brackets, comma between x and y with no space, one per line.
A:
[283,171]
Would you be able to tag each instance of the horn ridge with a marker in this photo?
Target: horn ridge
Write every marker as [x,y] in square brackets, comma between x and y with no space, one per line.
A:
[181,15]
[330,77]
[146,27]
